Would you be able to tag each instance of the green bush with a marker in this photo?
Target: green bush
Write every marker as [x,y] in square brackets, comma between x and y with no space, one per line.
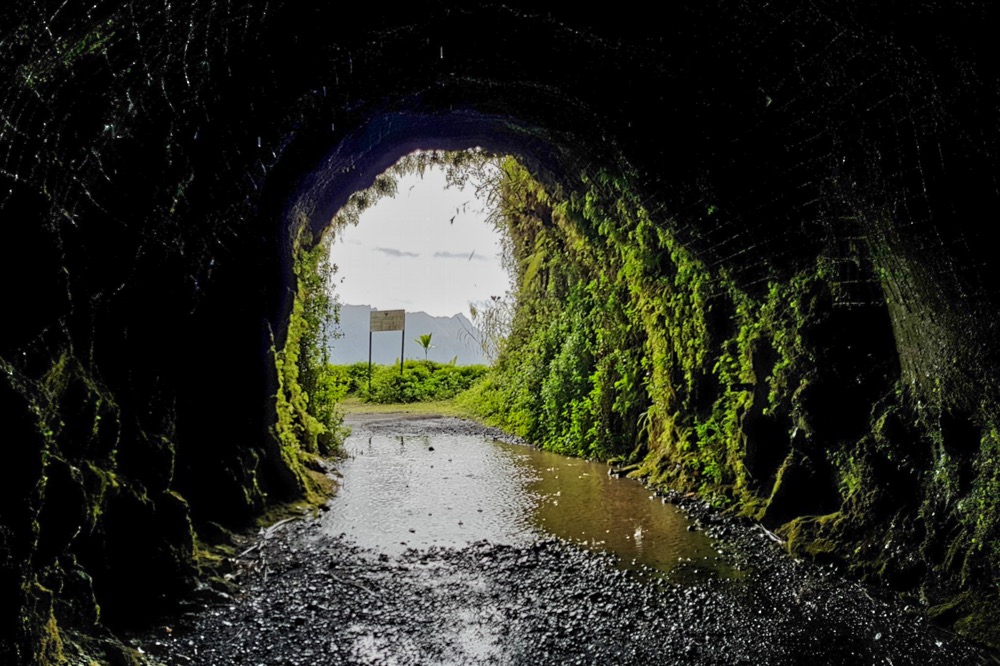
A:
[354,376]
[420,381]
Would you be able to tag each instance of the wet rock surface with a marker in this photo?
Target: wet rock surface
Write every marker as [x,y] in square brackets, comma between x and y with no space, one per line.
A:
[304,597]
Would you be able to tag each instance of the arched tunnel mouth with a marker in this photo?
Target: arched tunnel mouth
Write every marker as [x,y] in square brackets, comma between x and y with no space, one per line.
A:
[441,485]
[556,160]
[748,250]
[859,347]
[351,165]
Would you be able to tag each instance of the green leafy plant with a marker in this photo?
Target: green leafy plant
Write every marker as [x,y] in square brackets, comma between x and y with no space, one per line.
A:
[308,419]
[425,342]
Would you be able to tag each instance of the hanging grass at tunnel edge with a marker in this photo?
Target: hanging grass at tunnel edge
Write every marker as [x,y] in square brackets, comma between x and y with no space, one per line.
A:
[308,421]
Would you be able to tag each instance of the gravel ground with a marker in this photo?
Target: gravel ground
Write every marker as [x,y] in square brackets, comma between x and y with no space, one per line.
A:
[305,597]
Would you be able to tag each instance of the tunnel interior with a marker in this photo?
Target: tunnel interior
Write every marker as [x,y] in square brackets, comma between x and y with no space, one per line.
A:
[808,184]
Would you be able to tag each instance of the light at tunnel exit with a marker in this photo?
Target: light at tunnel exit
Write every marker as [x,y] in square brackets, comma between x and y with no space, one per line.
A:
[428,249]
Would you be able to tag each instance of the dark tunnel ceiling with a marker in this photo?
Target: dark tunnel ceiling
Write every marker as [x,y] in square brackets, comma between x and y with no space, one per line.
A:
[355,161]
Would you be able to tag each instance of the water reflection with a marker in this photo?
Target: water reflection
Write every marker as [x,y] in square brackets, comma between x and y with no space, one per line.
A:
[447,490]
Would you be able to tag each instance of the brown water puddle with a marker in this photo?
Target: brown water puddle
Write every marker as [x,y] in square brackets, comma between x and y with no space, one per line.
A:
[449,490]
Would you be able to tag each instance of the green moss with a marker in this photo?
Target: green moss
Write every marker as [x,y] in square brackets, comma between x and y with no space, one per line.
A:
[979,620]
[971,615]
[214,560]
[99,483]
[306,401]
[812,536]
[308,421]
[981,513]
[850,480]
[626,346]
[616,334]
[50,648]
[101,651]
[40,625]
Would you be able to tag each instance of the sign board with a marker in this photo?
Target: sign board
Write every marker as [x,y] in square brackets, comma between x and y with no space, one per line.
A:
[387,320]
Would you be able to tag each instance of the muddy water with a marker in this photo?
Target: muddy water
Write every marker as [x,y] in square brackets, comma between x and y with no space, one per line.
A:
[448,490]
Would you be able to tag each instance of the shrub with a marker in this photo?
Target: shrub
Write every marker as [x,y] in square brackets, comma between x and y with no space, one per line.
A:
[420,381]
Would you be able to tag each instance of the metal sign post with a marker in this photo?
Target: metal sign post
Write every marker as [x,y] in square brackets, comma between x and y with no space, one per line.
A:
[386,320]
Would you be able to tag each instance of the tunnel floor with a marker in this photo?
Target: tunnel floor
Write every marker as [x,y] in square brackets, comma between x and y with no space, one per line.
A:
[305,596]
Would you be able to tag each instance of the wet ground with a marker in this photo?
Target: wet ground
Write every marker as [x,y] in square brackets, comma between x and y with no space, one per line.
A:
[308,595]
[448,489]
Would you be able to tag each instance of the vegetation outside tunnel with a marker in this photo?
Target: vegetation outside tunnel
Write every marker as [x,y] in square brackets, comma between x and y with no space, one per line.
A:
[419,381]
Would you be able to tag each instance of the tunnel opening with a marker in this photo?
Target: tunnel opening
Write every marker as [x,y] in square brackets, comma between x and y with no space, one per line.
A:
[717,406]
[428,242]
[354,163]
[637,418]
[404,248]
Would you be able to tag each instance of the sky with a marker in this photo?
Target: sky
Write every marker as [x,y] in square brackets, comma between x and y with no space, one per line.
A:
[428,248]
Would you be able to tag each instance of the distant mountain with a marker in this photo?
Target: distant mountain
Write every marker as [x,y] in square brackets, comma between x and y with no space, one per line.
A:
[452,336]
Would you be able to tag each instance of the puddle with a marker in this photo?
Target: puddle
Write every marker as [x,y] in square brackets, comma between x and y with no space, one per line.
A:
[448,490]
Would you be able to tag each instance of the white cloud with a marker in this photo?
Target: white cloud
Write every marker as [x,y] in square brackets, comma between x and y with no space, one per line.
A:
[451,254]
[393,252]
